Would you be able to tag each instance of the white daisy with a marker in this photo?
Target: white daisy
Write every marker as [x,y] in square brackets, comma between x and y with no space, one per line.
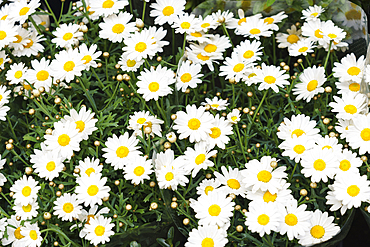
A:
[21,10]
[129,65]
[3,59]
[8,33]
[171,137]
[84,120]
[13,230]
[312,80]
[312,13]
[330,143]
[107,7]
[220,131]
[3,225]
[140,46]
[26,212]
[47,164]
[33,46]
[141,120]
[232,181]
[67,207]
[254,27]
[342,127]
[16,73]
[233,116]
[186,23]
[270,77]
[332,200]
[99,230]
[89,166]
[208,185]
[86,216]
[4,95]
[3,110]
[313,30]
[348,162]
[117,27]
[296,147]
[32,235]
[216,103]
[234,67]
[349,106]
[333,33]
[198,158]
[195,55]
[272,20]
[67,65]
[349,69]
[39,75]
[92,189]
[281,197]
[301,47]
[89,55]
[347,86]
[188,75]
[166,10]
[292,37]
[298,125]
[223,17]
[201,37]
[138,170]
[358,135]
[251,51]
[210,235]
[67,35]
[22,39]
[25,190]
[209,22]
[217,45]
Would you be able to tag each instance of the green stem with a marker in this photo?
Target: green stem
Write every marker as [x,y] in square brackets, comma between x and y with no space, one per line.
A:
[4,196]
[259,106]
[88,97]
[62,234]
[291,175]
[61,12]
[11,127]
[183,45]
[100,82]
[19,157]
[241,143]
[308,61]
[142,18]
[227,34]
[51,12]
[327,56]
[111,98]
[162,113]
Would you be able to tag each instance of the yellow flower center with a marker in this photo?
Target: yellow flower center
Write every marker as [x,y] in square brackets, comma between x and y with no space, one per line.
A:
[2,35]
[122,151]
[353,71]
[233,183]
[291,220]
[365,134]
[210,48]
[118,28]
[80,125]
[33,234]
[234,118]
[153,86]
[17,233]
[203,58]
[354,87]
[263,219]
[194,124]
[351,109]
[255,31]
[208,189]
[251,75]
[1,61]
[87,59]
[270,79]
[141,120]
[317,231]
[353,190]
[215,105]
[185,25]
[92,190]
[314,14]
[297,132]
[332,35]
[268,197]
[319,165]
[42,75]
[24,11]
[29,44]
[292,38]
[140,47]
[19,39]
[204,25]
[50,166]
[130,63]
[318,34]
[68,207]
[268,20]
[18,74]
[108,4]
[27,208]
[200,159]
[327,146]
[186,77]
[208,242]
[303,49]
[214,210]
[312,85]
[242,20]
[239,67]
[248,54]
[264,176]
[89,171]
[63,140]
[216,132]
[67,36]
[27,86]
[99,230]
[345,165]
[139,170]
[26,191]
[68,66]
[4,17]
[196,34]
[299,149]
[167,11]
[169,176]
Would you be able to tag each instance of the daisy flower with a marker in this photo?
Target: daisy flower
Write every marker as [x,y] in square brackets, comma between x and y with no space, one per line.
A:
[359,134]
[171,137]
[89,55]
[296,147]
[8,33]
[138,170]
[210,235]
[342,127]
[292,37]
[32,235]
[216,103]
[4,95]
[220,131]
[121,150]
[13,230]
[166,10]
[330,143]
[263,218]
[195,55]
[213,209]
[296,220]
[67,65]
[21,10]
[301,47]
[129,65]
[3,59]
[312,80]
[282,197]
[198,158]
[3,225]
[16,73]
[347,86]
[200,36]
[170,172]
[22,39]
[99,230]
[25,190]
[332,200]
[348,162]
[155,83]
[208,185]
[233,116]
[139,46]
[86,216]
[3,110]
[235,23]
[157,36]
[188,75]
[349,69]
[260,175]
[47,164]
[251,51]
[232,181]
[2,177]
[298,125]
[195,123]
[5,12]
[141,120]
[321,229]
[270,77]
[222,17]
[117,27]
[64,140]
[349,106]
[84,120]
[67,207]
[313,30]
[186,23]
[107,7]
[272,20]
[26,212]
[209,22]
[319,164]
[332,33]
[91,190]
[67,35]
[254,28]
[89,166]
[312,13]
[216,47]
[39,75]
[33,46]
[234,67]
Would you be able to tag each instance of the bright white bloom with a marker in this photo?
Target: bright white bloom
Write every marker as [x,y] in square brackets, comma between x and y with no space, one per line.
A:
[254,27]
[220,131]
[195,54]
[3,225]
[272,20]
[3,59]
[138,170]
[349,106]
[67,65]
[89,55]
[89,166]
[141,120]
[3,110]
[312,80]
[129,64]
[107,7]
[330,143]
[39,75]
[22,39]
[198,158]
[16,73]
[121,150]
[157,36]
[270,77]
[47,164]
[67,207]
[21,10]
[166,10]
[91,190]
[2,177]
[232,181]
[210,235]
[302,47]
[312,13]
[296,147]
[234,67]
[234,116]
[67,35]
[84,120]
[8,33]
[216,103]
[26,212]
[217,45]
[209,22]
[251,51]
[313,30]
[33,46]
[298,125]
[171,137]
[14,234]
[117,27]
[25,190]
[358,135]
[332,200]
[347,87]
[4,95]
[99,230]
[223,17]
[208,185]
[292,37]
[348,162]
[342,127]
[186,23]
[139,46]
[281,198]
[195,123]
[32,235]
[349,69]
[332,33]
[188,76]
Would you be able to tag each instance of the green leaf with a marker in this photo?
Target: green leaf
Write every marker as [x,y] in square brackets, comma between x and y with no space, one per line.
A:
[163,242]
[269,3]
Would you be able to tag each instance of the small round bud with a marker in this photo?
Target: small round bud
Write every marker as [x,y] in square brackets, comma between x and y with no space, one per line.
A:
[307,198]
[154,205]
[11,194]
[239,228]
[303,192]
[221,19]
[299,60]
[251,113]
[148,130]
[117,182]
[97,143]
[246,110]
[119,77]
[218,94]
[18,218]
[173,116]
[152,184]
[56,243]
[48,131]
[31,111]
[208,175]
[232,196]
[57,101]
[238,207]
[186,221]
[139,23]
[41,89]
[47,216]
[167,145]
[326,121]
[105,198]
[61,186]
[328,89]
[173,205]
[273,164]
[313,185]
[28,146]
[28,170]
[174,199]
[115,216]
[9,146]
[59,193]
[244,126]
[364,158]
[105,54]
[295,64]
[100,65]
[187,91]
[159,59]
[286,67]
[258,145]
[208,107]
[244,211]
[232,80]
[331,134]
[282,64]
[76,170]
[10,141]
[120,224]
